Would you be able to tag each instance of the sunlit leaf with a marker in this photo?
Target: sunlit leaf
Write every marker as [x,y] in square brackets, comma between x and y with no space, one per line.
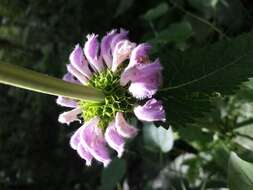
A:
[158,137]
[240,174]
[244,136]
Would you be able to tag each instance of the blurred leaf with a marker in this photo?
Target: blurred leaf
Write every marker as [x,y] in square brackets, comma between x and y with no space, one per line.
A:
[244,136]
[246,91]
[158,137]
[221,156]
[240,173]
[200,30]
[195,136]
[177,32]
[233,16]
[156,12]
[113,174]
[123,6]
[201,4]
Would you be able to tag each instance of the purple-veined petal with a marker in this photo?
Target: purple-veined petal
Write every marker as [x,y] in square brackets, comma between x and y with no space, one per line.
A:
[75,139]
[84,154]
[145,79]
[66,102]
[123,128]
[76,145]
[121,52]
[140,72]
[114,140]
[152,110]
[106,48]
[77,74]
[139,55]
[146,87]
[68,77]
[77,59]
[122,35]
[70,116]
[93,140]
[91,50]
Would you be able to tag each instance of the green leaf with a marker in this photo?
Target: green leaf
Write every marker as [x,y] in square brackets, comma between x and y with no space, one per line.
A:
[123,7]
[245,136]
[156,12]
[195,136]
[158,137]
[177,32]
[201,4]
[113,174]
[194,77]
[240,174]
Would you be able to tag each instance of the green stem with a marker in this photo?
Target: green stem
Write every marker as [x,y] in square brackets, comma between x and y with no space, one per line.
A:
[244,123]
[38,82]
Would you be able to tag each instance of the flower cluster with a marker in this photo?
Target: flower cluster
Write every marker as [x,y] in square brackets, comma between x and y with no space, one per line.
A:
[123,71]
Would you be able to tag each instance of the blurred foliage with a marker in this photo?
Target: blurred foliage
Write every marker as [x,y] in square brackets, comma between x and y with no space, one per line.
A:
[210,118]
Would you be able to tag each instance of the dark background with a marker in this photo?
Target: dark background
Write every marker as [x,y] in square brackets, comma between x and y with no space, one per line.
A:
[40,34]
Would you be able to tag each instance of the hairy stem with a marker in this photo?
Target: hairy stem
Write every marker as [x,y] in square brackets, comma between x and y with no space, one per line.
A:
[38,82]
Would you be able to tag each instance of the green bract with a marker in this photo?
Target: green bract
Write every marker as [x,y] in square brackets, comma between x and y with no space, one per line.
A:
[117,99]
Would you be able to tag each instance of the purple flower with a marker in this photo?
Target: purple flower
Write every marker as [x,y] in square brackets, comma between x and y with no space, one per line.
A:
[68,77]
[71,69]
[139,55]
[78,61]
[70,116]
[121,52]
[91,50]
[123,128]
[104,66]
[106,48]
[145,79]
[122,35]
[114,139]
[75,143]
[152,110]
[117,132]
[66,102]
[92,138]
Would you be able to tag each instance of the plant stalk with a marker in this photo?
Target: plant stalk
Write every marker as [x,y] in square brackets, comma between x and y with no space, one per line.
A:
[24,78]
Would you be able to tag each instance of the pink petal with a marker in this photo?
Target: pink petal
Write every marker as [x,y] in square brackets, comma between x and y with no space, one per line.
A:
[76,145]
[106,48]
[122,35]
[77,74]
[69,116]
[75,139]
[145,79]
[91,50]
[77,59]
[121,52]
[68,77]
[152,110]
[142,90]
[140,72]
[139,55]
[84,154]
[66,102]
[93,140]
[114,140]
[123,128]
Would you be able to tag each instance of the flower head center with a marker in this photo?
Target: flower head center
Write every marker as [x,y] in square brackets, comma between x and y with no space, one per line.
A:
[117,99]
